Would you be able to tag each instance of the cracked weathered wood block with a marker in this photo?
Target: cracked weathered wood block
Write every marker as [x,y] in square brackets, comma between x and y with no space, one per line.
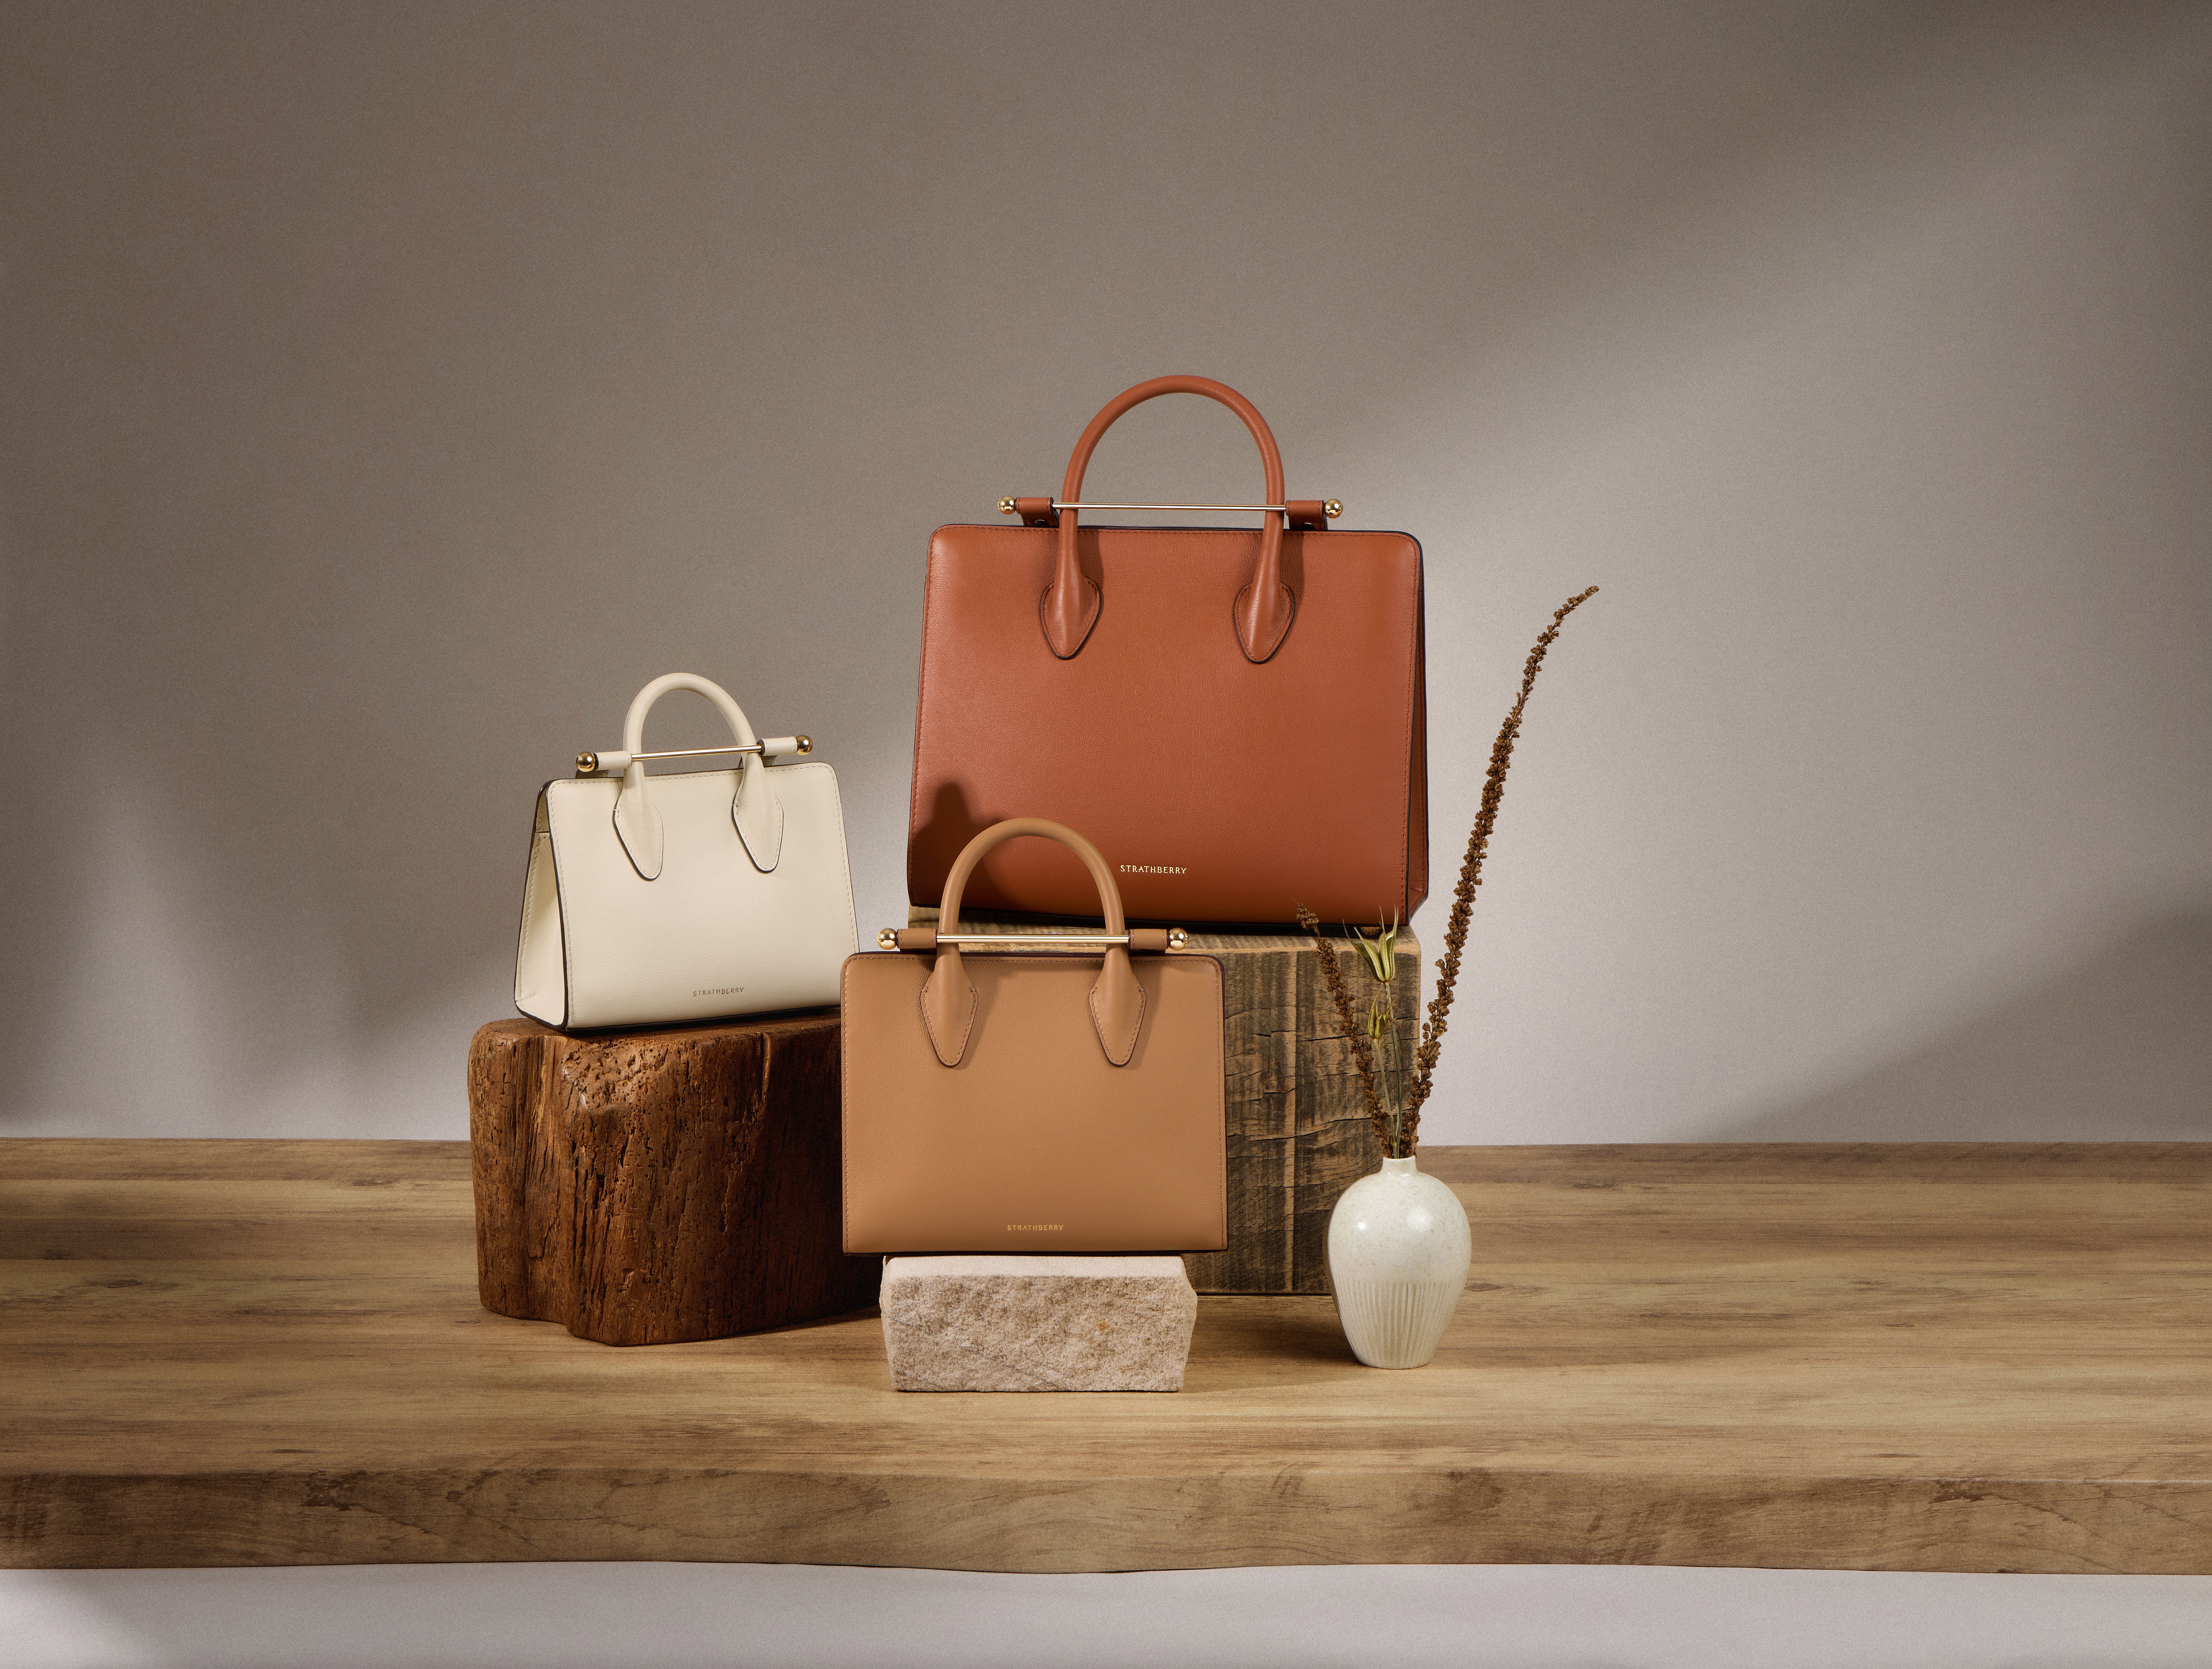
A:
[993,1322]
[643,1188]
[1297,1134]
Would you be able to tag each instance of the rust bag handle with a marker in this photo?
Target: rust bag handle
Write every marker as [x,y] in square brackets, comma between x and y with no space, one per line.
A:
[948,1000]
[1263,610]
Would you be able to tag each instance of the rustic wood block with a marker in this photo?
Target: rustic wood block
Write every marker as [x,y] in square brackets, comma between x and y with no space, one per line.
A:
[643,1188]
[1299,1134]
[989,1322]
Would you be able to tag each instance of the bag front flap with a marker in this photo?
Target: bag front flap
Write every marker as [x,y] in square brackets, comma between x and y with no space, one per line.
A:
[1219,789]
[711,932]
[1034,1141]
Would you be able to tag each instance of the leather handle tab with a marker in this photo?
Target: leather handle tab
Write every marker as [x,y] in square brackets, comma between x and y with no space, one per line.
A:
[1265,608]
[755,809]
[948,1000]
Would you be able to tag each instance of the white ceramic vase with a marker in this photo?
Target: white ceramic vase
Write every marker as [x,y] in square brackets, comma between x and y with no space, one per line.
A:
[1397,1252]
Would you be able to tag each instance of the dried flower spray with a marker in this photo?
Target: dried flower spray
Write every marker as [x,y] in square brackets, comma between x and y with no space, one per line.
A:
[1395,1097]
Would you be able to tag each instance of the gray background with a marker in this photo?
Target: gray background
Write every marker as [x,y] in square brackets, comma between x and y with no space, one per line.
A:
[646,1616]
[390,390]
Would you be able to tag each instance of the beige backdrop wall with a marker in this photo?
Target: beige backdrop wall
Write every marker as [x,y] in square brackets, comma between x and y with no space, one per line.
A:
[390,390]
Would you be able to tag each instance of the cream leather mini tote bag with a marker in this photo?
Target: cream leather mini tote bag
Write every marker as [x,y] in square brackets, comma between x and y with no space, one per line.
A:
[653,900]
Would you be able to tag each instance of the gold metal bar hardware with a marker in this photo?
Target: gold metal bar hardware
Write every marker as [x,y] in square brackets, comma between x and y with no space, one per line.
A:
[1331,508]
[1032,938]
[887,939]
[587,764]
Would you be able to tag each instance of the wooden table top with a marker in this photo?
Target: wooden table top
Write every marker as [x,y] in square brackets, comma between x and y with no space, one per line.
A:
[1955,1357]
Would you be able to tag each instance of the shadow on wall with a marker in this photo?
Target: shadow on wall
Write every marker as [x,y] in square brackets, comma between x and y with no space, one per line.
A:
[2118,1048]
[395,391]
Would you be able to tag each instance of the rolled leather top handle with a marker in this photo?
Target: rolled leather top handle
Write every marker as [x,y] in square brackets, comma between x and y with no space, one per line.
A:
[948,1000]
[1263,610]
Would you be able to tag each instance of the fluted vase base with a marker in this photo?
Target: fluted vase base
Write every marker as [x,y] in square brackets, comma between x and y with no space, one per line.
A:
[1398,1254]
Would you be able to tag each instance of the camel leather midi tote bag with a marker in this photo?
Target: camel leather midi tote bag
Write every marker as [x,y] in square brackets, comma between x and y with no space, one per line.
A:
[687,896]
[1235,715]
[1040,1092]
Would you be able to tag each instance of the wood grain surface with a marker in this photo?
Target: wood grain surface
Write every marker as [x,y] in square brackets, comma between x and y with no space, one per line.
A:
[1297,1131]
[657,1186]
[1986,1357]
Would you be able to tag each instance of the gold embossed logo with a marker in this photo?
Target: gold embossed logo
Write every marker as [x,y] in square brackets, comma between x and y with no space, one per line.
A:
[1153,869]
[1035,1228]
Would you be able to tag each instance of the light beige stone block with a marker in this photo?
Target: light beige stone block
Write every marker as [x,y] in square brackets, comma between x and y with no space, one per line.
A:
[994,1323]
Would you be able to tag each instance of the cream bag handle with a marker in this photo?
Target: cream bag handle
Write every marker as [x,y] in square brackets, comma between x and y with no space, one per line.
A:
[755,809]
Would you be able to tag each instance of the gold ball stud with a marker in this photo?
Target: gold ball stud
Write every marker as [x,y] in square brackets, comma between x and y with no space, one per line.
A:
[887,939]
[1005,506]
[586,763]
[1333,508]
[805,743]
[1177,938]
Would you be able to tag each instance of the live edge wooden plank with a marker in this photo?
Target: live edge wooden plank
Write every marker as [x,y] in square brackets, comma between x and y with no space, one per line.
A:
[1983,1358]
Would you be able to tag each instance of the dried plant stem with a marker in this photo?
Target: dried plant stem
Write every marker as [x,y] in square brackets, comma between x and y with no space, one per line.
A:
[1470,875]
[1382,1026]
[1333,977]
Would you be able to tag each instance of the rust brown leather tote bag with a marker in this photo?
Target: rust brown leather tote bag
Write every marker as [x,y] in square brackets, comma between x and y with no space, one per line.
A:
[1051,1092]
[1235,715]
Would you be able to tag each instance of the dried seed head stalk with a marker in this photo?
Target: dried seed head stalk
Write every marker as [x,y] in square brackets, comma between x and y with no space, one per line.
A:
[1362,1053]
[1470,875]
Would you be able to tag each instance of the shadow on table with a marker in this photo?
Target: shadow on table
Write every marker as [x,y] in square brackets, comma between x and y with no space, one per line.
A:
[1246,1343]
